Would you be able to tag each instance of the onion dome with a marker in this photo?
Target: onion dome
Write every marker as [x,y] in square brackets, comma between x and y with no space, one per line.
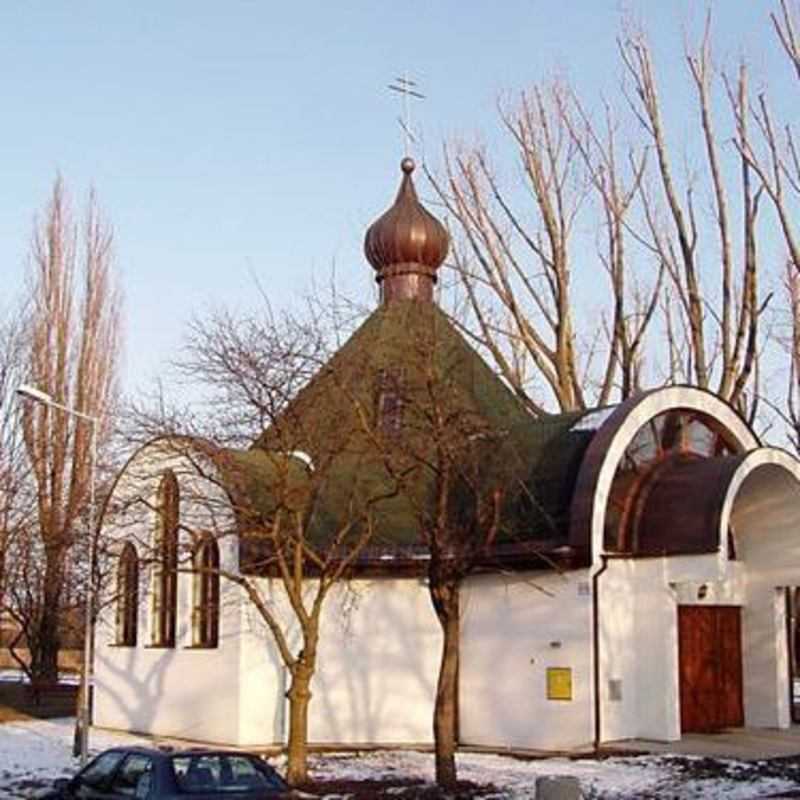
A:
[406,245]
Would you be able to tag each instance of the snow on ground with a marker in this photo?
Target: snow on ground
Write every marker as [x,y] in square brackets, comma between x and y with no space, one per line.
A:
[41,750]
[33,753]
[618,778]
[18,676]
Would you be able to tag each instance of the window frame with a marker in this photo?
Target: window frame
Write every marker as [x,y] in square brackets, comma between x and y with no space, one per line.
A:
[205,593]
[127,789]
[89,774]
[127,597]
[165,572]
[390,400]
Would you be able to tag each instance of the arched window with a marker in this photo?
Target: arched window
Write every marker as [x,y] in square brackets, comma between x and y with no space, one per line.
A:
[205,612]
[165,583]
[127,596]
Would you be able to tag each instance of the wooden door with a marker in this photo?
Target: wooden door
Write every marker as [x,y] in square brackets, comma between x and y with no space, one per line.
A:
[710,663]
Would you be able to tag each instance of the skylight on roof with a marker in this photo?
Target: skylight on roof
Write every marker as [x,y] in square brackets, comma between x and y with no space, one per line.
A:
[592,420]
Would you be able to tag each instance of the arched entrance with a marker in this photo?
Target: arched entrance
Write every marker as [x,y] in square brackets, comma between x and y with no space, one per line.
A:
[734,653]
[762,508]
[694,534]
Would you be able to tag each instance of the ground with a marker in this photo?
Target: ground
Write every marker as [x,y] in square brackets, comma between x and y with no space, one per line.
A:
[34,752]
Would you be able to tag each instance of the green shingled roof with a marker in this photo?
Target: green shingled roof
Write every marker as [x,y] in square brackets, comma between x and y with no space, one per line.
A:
[333,417]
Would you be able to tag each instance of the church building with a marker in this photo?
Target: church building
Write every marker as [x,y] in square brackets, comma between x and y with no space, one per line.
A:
[642,584]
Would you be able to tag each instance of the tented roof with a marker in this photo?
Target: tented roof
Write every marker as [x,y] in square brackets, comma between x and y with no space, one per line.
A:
[534,459]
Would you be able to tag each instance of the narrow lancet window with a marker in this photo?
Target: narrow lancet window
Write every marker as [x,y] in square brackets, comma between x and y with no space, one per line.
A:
[165,584]
[127,596]
[205,613]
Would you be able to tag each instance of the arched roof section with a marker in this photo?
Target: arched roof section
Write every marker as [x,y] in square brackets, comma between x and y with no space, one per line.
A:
[749,501]
[608,446]
[132,505]
[762,501]
[153,458]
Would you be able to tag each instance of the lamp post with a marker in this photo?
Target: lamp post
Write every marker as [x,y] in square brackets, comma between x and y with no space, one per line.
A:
[38,396]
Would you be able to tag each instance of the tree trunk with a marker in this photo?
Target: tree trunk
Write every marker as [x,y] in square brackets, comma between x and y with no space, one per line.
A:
[44,650]
[445,715]
[299,695]
[46,635]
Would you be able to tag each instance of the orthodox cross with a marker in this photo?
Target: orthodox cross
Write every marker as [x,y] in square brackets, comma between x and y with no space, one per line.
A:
[407,88]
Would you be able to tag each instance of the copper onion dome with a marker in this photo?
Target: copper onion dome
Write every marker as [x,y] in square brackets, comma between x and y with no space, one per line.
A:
[406,245]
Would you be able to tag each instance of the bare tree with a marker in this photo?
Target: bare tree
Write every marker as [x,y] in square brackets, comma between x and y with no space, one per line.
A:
[787,409]
[14,503]
[453,438]
[71,353]
[769,157]
[517,264]
[535,309]
[520,251]
[673,233]
[785,23]
[471,467]
[291,537]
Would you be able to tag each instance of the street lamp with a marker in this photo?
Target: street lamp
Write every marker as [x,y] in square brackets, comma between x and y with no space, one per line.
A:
[38,396]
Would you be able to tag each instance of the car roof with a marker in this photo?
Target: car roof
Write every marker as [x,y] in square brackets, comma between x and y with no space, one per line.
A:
[132,748]
[170,751]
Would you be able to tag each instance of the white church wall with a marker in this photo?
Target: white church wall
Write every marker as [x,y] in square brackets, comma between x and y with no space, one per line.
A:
[765,668]
[514,628]
[693,569]
[639,670]
[377,666]
[180,691]
[726,588]
[618,588]
[765,517]
[184,692]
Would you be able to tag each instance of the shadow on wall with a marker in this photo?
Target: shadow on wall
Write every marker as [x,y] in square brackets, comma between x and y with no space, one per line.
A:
[380,657]
[138,684]
[265,660]
[147,690]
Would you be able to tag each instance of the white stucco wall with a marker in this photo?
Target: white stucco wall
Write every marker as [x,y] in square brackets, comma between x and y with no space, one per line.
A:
[182,691]
[513,628]
[378,655]
[639,601]
[764,509]
[376,680]
[377,667]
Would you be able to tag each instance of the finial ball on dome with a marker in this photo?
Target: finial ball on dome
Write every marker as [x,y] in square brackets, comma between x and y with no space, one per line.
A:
[407,165]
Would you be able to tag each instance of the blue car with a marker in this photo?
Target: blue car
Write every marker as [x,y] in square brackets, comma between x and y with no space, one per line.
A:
[145,773]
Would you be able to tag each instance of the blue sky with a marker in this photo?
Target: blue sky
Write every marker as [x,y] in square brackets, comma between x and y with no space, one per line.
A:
[242,140]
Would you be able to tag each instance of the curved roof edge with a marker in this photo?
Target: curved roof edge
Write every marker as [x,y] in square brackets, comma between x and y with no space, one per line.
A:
[616,431]
[200,445]
[757,458]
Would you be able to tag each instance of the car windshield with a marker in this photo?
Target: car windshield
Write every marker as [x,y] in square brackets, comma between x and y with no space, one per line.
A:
[221,772]
[101,768]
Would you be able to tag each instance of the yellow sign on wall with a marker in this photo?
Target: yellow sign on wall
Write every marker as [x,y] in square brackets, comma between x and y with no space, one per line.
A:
[559,683]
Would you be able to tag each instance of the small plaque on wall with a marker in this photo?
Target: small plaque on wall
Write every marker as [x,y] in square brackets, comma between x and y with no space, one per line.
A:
[559,683]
